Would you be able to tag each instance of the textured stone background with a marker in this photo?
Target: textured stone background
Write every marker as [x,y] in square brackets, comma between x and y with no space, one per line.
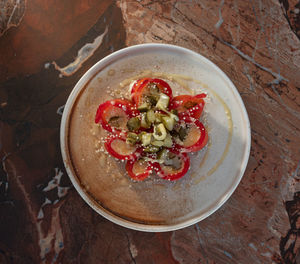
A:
[43,219]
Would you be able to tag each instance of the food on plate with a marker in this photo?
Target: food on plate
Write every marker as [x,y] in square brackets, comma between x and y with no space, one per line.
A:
[154,131]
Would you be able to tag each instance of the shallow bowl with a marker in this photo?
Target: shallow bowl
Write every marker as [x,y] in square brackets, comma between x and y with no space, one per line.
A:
[156,205]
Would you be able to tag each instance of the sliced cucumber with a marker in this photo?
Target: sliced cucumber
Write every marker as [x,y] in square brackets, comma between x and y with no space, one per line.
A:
[132,138]
[133,124]
[144,107]
[146,138]
[158,117]
[160,132]
[168,142]
[168,122]
[150,116]
[163,102]
[144,121]
[175,117]
[151,149]
[157,143]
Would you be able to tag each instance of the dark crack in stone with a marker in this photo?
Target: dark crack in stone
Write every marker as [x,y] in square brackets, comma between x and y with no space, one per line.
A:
[11,14]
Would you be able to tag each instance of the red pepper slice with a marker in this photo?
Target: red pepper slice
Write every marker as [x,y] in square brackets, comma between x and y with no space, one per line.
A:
[138,170]
[188,105]
[200,142]
[137,84]
[136,87]
[119,107]
[118,148]
[139,88]
[168,172]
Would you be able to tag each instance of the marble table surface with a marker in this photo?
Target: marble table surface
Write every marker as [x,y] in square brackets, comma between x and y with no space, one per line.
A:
[43,219]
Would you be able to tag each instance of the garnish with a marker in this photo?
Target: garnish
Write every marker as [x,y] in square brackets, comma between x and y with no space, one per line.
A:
[153,131]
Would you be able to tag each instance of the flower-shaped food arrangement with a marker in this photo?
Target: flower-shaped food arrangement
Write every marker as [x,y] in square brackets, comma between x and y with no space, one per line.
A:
[154,131]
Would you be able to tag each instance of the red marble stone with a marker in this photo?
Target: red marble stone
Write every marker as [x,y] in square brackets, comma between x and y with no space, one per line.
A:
[43,219]
[12,12]
[46,32]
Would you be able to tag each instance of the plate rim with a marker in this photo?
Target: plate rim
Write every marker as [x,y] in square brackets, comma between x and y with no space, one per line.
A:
[64,126]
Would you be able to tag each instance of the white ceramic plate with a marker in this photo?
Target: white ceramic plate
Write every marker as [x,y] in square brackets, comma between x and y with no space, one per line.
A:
[156,205]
